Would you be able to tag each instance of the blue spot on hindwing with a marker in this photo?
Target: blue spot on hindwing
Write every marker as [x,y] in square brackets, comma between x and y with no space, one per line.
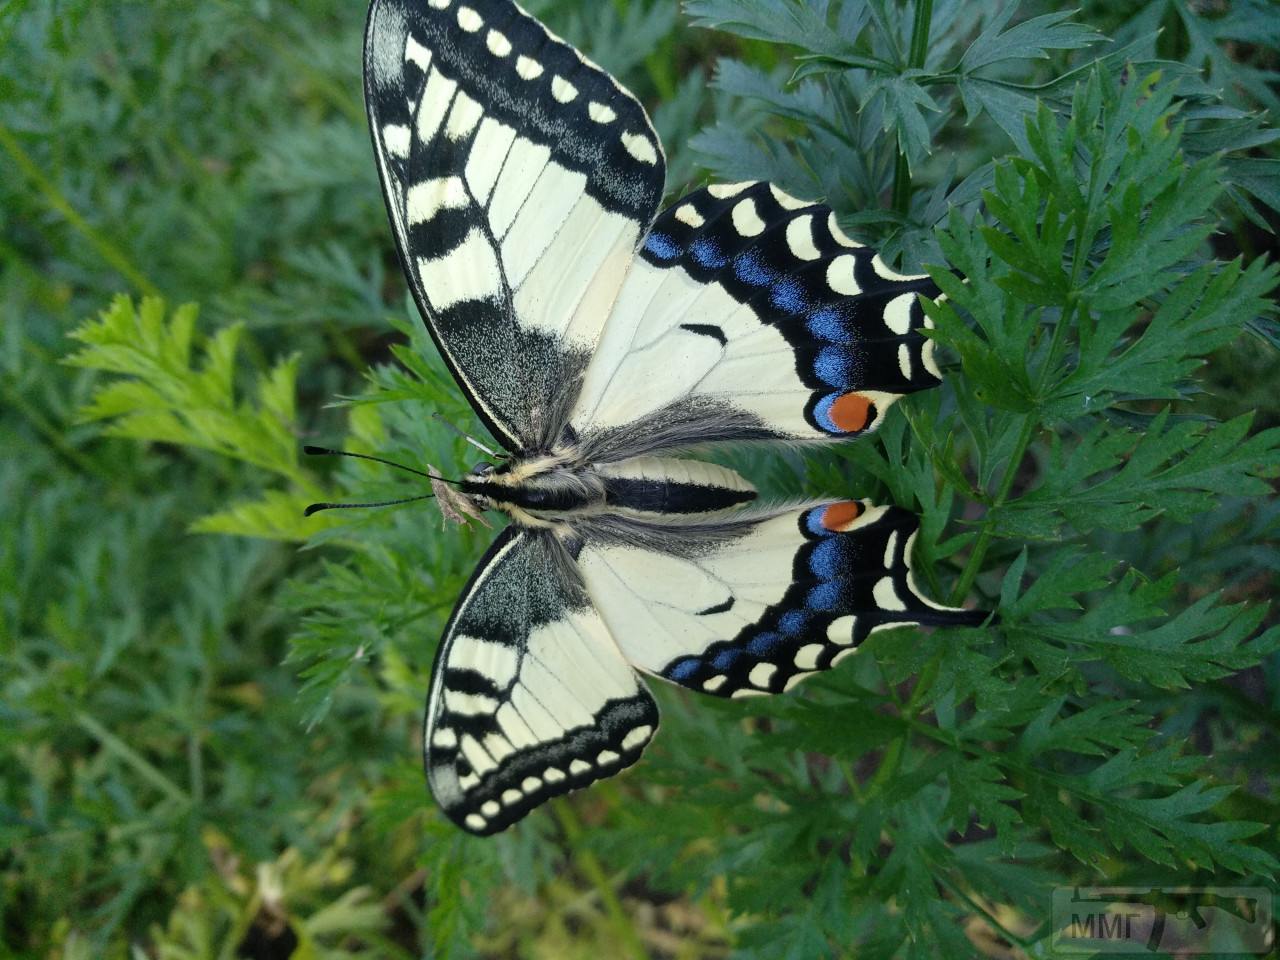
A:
[831,325]
[725,659]
[764,644]
[789,295]
[707,254]
[661,246]
[685,669]
[813,522]
[824,597]
[837,367]
[826,559]
[822,413]
[793,622]
[749,269]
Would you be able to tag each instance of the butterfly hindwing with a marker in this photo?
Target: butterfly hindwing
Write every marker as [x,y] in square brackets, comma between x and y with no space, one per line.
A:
[756,604]
[750,315]
[519,178]
[530,696]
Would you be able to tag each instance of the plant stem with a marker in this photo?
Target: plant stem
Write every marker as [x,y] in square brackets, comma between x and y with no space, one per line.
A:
[113,744]
[915,60]
[628,939]
[974,564]
[55,198]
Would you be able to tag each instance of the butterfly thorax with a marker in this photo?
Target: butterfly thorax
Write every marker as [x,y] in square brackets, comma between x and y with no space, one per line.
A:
[552,490]
[542,490]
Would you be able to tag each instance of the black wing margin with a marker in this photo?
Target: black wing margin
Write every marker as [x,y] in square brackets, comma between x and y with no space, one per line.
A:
[519,178]
[530,697]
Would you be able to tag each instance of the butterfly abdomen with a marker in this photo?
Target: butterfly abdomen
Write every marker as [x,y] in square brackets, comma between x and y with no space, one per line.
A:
[655,487]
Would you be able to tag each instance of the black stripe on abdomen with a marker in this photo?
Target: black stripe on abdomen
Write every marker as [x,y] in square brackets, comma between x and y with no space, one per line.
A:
[665,496]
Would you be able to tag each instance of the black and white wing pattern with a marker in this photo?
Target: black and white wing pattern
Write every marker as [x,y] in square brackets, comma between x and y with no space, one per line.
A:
[519,178]
[749,315]
[530,696]
[753,606]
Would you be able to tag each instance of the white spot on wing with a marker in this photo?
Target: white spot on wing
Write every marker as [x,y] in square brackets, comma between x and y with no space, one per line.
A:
[841,631]
[579,766]
[511,796]
[891,550]
[552,775]
[840,275]
[463,117]
[843,655]
[416,53]
[530,784]
[786,201]
[424,200]
[562,89]
[601,112]
[807,656]
[636,737]
[722,191]
[800,238]
[688,214]
[712,684]
[445,737]
[469,20]
[840,236]
[490,808]
[927,358]
[439,4]
[640,147]
[470,704]
[474,820]
[886,596]
[904,360]
[498,43]
[897,313]
[746,219]
[761,674]
[395,137]
[606,757]
[527,68]
[467,272]
[882,270]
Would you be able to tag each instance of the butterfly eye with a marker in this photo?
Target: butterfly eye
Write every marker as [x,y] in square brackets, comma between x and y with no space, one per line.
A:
[482,468]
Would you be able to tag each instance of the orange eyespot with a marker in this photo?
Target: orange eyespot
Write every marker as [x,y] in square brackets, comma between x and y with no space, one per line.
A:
[838,517]
[849,412]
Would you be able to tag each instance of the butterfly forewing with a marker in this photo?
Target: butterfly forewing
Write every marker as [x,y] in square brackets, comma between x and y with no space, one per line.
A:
[519,178]
[530,696]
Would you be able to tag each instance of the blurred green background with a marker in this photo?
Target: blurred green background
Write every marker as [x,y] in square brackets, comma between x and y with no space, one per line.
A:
[209,740]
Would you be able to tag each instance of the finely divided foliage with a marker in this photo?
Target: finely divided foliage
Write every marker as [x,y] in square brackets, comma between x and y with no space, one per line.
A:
[1093,468]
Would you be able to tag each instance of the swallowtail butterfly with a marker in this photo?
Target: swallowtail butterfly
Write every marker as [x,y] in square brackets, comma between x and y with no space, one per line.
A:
[595,337]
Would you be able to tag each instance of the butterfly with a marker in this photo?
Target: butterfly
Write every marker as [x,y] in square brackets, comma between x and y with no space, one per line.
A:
[596,338]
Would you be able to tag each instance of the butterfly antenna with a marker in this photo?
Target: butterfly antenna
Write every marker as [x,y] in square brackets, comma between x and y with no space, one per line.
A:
[326,452]
[470,439]
[317,507]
